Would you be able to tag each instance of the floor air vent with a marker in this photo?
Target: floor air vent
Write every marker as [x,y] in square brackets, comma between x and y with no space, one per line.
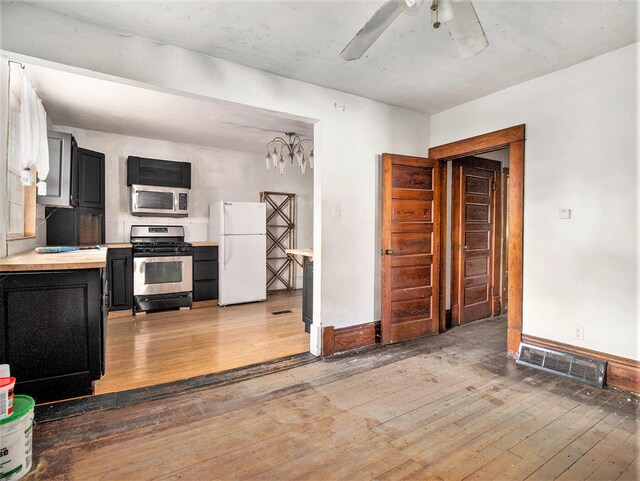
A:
[579,368]
[279,313]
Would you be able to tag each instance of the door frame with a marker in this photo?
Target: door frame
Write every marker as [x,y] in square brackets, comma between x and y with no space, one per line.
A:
[495,168]
[514,138]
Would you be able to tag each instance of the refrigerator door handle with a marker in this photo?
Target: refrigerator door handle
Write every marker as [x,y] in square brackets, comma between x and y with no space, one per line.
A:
[225,247]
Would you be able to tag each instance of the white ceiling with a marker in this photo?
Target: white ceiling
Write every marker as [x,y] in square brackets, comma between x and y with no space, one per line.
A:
[411,65]
[95,104]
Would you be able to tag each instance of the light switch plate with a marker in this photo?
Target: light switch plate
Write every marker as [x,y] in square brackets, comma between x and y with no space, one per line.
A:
[564,214]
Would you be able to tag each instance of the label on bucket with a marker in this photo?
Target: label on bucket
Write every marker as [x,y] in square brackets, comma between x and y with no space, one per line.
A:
[15,449]
[6,403]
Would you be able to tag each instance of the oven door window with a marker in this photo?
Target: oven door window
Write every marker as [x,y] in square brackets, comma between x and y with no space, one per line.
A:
[155,200]
[162,272]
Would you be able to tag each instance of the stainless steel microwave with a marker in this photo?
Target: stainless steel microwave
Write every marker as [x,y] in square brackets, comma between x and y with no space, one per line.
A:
[148,200]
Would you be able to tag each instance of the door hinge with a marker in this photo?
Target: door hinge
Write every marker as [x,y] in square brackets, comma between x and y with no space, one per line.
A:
[493,184]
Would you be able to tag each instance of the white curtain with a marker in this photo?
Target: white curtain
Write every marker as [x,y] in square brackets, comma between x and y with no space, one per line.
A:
[33,147]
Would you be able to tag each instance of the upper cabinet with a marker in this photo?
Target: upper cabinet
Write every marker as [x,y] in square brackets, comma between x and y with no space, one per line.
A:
[90,179]
[62,153]
[76,176]
[161,173]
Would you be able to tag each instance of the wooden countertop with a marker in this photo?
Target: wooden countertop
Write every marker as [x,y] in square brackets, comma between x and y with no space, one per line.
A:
[300,252]
[204,244]
[30,261]
[121,245]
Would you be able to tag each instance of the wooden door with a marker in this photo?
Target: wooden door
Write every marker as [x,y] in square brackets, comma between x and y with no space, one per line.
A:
[475,240]
[410,247]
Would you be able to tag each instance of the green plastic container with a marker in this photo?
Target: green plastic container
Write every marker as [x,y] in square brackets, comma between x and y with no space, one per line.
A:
[16,433]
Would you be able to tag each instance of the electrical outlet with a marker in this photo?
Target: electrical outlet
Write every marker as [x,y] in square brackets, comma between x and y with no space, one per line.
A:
[578,332]
[336,211]
[564,214]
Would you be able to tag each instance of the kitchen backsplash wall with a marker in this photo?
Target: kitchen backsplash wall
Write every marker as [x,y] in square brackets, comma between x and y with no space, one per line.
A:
[216,174]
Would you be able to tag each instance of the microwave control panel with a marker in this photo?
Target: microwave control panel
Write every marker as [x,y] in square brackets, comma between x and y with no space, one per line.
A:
[182,202]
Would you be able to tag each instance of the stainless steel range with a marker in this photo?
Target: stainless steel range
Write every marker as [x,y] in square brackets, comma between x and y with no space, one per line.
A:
[162,267]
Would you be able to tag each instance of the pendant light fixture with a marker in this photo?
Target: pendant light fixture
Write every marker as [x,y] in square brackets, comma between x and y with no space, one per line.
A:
[279,151]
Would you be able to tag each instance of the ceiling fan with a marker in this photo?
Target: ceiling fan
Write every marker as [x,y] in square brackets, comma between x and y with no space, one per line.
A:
[459,16]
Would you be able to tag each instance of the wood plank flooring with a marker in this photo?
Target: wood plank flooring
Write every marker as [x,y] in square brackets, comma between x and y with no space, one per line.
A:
[448,407]
[167,346]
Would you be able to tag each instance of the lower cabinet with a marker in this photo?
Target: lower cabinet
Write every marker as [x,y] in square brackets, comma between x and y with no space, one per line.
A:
[53,331]
[307,294]
[120,279]
[205,273]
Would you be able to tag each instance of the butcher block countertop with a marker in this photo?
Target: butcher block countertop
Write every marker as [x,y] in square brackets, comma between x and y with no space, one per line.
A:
[30,261]
[204,244]
[300,252]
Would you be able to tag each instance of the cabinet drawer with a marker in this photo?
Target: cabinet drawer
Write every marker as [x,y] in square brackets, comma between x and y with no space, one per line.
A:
[205,290]
[208,253]
[205,271]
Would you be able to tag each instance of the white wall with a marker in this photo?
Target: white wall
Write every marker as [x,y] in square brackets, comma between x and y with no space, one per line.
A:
[581,153]
[216,174]
[347,141]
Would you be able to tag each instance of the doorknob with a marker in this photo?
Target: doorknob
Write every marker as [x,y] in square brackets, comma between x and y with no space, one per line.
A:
[465,247]
[388,252]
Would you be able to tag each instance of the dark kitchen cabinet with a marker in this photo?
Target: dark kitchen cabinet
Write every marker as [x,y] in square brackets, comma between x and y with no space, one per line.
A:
[307,294]
[79,226]
[62,179]
[120,279]
[205,273]
[53,331]
[90,179]
[85,223]
[162,173]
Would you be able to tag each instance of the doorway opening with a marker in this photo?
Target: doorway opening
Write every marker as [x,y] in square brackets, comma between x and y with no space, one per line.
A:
[225,145]
[512,139]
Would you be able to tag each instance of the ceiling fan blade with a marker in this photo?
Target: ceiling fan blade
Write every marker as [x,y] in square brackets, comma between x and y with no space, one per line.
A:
[465,29]
[372,30]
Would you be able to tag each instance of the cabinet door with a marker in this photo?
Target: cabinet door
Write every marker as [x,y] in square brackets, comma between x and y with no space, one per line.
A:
[205,273]
[120,279]
[51,325]
[62,150]
[90,179]
[162,173]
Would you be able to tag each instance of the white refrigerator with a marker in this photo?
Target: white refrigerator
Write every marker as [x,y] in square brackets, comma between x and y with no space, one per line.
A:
[240,229]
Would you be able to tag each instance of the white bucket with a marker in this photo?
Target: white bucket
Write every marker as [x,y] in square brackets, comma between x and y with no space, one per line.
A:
[16,434]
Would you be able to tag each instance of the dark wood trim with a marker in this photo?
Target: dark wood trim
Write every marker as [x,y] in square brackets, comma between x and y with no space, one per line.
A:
[516,242]
[440,229]
[478,144]
[504,241]
[513,138]
[328,344]
[354,337]
[343,339]
[622,373]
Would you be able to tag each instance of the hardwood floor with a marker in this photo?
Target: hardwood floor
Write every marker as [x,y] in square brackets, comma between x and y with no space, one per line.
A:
[168,346]
[448,407]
